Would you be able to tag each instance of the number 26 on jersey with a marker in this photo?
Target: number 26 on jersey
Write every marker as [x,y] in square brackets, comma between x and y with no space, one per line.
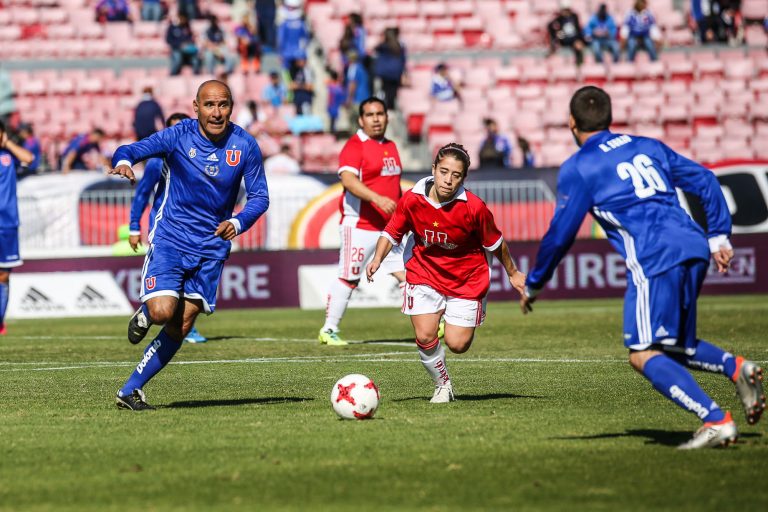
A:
[645,178]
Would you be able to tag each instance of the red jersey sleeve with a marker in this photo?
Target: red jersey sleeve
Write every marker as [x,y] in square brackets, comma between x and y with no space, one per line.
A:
[490,236]
[351,157]
[399,224]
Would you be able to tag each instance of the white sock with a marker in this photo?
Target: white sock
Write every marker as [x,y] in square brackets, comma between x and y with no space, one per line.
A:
[434,362]
[338,298]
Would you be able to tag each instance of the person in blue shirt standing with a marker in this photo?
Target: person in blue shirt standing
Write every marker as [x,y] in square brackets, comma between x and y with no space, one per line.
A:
[640,32]
[628,184]
[10,153]
[152,182]
[600,34]
[205,159]
[495,150]
[292,35]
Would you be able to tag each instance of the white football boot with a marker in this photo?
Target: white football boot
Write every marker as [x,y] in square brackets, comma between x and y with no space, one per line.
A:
[443,394]
[712,435]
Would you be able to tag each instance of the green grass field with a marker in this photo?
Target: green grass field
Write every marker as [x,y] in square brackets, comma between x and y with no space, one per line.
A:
[549,417]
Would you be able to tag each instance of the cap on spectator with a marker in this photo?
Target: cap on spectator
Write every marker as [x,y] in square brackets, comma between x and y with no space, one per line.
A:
[25,127]
[565,4]
[292,4]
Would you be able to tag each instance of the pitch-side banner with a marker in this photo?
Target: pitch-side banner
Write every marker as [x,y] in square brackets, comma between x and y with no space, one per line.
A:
[66,294]
[272,278]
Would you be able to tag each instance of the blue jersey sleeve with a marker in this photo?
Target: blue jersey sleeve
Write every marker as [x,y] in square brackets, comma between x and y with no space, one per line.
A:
[696,179]
[157,145]
[144,189]
[573,202]
[257,194]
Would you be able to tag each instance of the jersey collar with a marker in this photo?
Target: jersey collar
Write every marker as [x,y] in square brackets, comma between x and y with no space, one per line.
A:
[597,138]
[421,189]
[363,137]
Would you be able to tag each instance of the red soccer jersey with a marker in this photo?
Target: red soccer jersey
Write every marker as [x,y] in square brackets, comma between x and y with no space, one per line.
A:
[450,240]
[377,165]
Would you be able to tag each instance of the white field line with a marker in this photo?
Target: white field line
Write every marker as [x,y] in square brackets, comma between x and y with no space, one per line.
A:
[230,340]
[386,357]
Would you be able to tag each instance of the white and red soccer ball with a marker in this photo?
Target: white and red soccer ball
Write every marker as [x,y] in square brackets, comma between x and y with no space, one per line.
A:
[355,397]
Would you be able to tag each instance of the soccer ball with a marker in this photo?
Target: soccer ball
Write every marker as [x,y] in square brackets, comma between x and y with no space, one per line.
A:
[355,397]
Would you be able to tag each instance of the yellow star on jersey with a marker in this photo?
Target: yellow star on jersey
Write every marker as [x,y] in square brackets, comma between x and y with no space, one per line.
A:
[436,224]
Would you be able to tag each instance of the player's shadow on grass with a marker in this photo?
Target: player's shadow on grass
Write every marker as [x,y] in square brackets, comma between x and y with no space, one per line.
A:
[235,402]
[473,398]
[393,340]
[653,436]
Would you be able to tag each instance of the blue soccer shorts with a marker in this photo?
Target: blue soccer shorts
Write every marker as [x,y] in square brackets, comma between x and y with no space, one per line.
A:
[9,248]
[660,311]
[170,272]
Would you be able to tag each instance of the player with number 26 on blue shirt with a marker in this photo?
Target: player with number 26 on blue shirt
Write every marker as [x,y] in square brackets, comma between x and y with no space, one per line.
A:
[628,184]
[205,160]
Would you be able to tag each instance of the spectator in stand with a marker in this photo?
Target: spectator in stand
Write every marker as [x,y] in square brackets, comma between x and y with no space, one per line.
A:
[275,93]
[181,40]
[301,85]
[565,31]
[112,10]
[337,96]
[600,33]
[151,10]
[249,115]
[706,15]
[7,103]
[189,8]
[148,115]
[265,17]
[640,32]
[31,144]
[282,162]
[443,88]
[358,87]
[248,45]
[390,65]
[352,39]
[73,155]
[525,150]
[731,21]
[215,49]
[292,35]
[496,150]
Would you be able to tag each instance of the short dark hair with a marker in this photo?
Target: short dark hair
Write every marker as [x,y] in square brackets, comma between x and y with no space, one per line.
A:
[456,151]
[591,109]
[2,127]
[176,116]
[368,101]
[98,131]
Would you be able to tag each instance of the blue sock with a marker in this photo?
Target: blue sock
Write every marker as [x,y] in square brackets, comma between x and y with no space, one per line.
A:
[673,381]
[157,354]
[3,301]
[711,358]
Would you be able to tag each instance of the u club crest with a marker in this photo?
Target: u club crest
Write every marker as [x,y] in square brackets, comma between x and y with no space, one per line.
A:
[233,157]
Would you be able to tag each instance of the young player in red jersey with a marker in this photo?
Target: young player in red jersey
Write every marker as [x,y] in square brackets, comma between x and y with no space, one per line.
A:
[369,169]
[448,271]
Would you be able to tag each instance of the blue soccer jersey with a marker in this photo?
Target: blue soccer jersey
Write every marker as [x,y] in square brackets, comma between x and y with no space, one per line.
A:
[151,181]
[628,184]
[9,210]
[202,182]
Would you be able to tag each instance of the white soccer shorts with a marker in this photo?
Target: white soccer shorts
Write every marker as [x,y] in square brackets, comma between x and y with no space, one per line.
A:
[420,299]
[358,247]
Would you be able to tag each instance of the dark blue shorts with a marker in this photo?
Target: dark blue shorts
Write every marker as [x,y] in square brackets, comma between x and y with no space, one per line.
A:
[661,310]
[9,248]
[168,271]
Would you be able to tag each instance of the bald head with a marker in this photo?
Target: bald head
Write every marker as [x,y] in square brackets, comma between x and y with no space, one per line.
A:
[213,83]
[213,106]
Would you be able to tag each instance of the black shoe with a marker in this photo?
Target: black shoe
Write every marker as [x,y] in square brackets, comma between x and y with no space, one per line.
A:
[138,326]
[136,401]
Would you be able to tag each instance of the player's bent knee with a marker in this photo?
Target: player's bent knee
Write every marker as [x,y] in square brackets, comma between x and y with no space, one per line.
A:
[458,346]
[637,359]
[161,313]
